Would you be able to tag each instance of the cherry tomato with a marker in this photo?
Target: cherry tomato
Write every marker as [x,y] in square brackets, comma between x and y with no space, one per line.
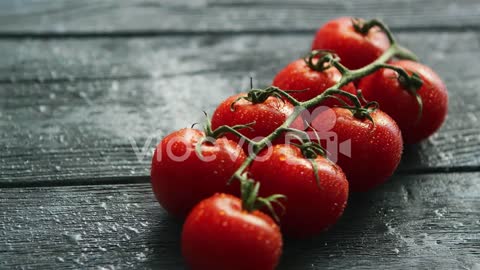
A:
[375,150]
[267,116]
[310,83]
[310,208]
[384,87]
[354,48]
[180,178]
[219,234]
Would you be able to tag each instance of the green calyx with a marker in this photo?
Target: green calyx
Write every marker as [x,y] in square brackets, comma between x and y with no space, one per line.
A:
[365,111]
[256,96]
[311,150]
[411,84]
[358,110]
[221,130]
[211,135]
[251,201]
[363,27]
[324,59]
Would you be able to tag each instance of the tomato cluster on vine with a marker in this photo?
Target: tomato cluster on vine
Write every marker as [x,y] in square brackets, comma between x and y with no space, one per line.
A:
[262,166]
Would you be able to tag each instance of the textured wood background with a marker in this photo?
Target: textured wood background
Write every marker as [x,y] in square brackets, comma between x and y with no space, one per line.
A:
[88,88]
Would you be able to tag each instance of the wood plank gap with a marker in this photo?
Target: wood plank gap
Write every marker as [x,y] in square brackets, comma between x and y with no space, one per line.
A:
[142,179]
[119,180]
[159,33]
[440,169]
[75,79]
[110,78]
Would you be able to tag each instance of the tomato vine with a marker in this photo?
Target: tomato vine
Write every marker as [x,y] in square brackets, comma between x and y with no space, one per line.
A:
[327,59]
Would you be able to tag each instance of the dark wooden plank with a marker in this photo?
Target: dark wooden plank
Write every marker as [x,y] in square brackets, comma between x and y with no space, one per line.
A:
[262,55]
[93,59]
[125,16]
[426,222]
[63,130]
[71,131]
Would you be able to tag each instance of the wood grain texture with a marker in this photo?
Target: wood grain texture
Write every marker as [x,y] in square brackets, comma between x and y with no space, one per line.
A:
[171,16]
[422,222]
[70,60]
[61,129]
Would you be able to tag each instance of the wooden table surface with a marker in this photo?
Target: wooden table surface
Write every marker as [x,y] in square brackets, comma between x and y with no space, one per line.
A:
[87,89]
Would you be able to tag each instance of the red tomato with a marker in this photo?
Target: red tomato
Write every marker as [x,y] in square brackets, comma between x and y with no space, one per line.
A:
[218,234]
[181,178]
[384,87]
[310,208]
[299,76]
[354,49]
[267,116]
[375,150]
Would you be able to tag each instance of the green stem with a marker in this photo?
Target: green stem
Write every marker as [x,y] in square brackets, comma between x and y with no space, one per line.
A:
[234,130]
[347,77]
[404,53]
[287,96]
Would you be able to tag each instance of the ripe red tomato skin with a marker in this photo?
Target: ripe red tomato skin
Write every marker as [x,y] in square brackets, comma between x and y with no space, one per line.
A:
[267,116]
[354,49]
[218,234]
[375,150]
[299,76]
[309,209]
[383,87]
[180,185]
